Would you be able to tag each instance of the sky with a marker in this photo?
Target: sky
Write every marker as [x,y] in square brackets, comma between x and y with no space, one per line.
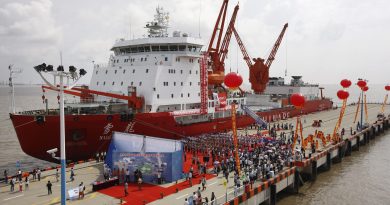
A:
[326,40]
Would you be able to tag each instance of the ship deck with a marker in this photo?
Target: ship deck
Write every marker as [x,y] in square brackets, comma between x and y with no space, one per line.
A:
[91,171]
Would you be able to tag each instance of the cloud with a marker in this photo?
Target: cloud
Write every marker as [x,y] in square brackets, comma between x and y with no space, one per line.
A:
[332,38]
[28,32]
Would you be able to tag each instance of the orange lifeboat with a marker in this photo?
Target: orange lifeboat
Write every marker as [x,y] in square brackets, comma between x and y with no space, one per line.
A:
[216,78]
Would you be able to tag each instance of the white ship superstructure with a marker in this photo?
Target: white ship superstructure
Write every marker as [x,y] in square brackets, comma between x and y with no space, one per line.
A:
[277,87]
[163,69]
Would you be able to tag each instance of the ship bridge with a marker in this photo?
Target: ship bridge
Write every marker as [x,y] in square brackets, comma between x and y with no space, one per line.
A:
[163,69]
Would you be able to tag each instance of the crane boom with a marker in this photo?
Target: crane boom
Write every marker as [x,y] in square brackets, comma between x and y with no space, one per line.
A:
[271,56]
[226,40]
[222,14]
[242,48]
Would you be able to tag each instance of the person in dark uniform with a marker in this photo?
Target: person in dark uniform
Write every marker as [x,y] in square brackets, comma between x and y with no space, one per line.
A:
[49,188]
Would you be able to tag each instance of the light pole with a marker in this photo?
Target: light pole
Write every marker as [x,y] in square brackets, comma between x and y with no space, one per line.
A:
[72,74]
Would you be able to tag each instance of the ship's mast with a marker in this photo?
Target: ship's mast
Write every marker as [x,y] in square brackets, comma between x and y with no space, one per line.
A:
[12,71]
[159,26]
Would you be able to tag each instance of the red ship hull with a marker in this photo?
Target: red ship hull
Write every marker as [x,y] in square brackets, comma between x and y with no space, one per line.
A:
[88,134]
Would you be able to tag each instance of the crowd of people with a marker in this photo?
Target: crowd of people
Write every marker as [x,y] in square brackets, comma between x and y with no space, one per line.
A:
[261,157]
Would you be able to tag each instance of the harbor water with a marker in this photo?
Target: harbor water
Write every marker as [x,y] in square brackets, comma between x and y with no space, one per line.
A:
[362,178]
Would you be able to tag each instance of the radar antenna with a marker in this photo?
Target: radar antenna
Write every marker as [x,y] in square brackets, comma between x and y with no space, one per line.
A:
[159,26]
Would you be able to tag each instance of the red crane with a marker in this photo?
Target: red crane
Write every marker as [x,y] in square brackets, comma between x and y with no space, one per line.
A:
[219,52]
[258,71]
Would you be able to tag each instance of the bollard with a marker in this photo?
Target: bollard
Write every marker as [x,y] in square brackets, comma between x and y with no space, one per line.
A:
[273,195]
[313,170]
[349,148]
[328,161]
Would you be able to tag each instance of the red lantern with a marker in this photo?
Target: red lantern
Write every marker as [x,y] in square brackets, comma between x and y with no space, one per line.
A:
[387,87]
[342,94]
[233,80]
[361,84]
[297,99]
[345,83]
[365,88]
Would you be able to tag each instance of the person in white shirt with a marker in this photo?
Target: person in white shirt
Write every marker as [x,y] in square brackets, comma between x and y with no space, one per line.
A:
[81,190]
[186,202]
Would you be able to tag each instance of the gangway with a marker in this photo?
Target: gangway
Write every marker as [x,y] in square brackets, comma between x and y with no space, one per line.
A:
[253,114]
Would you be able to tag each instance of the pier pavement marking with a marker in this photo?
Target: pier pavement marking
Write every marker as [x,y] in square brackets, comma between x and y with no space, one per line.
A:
[182,196]
[14,197]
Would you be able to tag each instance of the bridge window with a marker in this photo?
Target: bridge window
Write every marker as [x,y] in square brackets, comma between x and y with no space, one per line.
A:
[182,95]
[182,47]
[140,83]
[155,48]
[113,82]
[122,83]
[171,95]
[106,71]
[141,49]
[147,70]
[173,48]
[96,72]
[124,71]
[166,58]
[163,48]
[104,83]
[158,96]
[133,50]
[97,83]
[115,71]
[188,94]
